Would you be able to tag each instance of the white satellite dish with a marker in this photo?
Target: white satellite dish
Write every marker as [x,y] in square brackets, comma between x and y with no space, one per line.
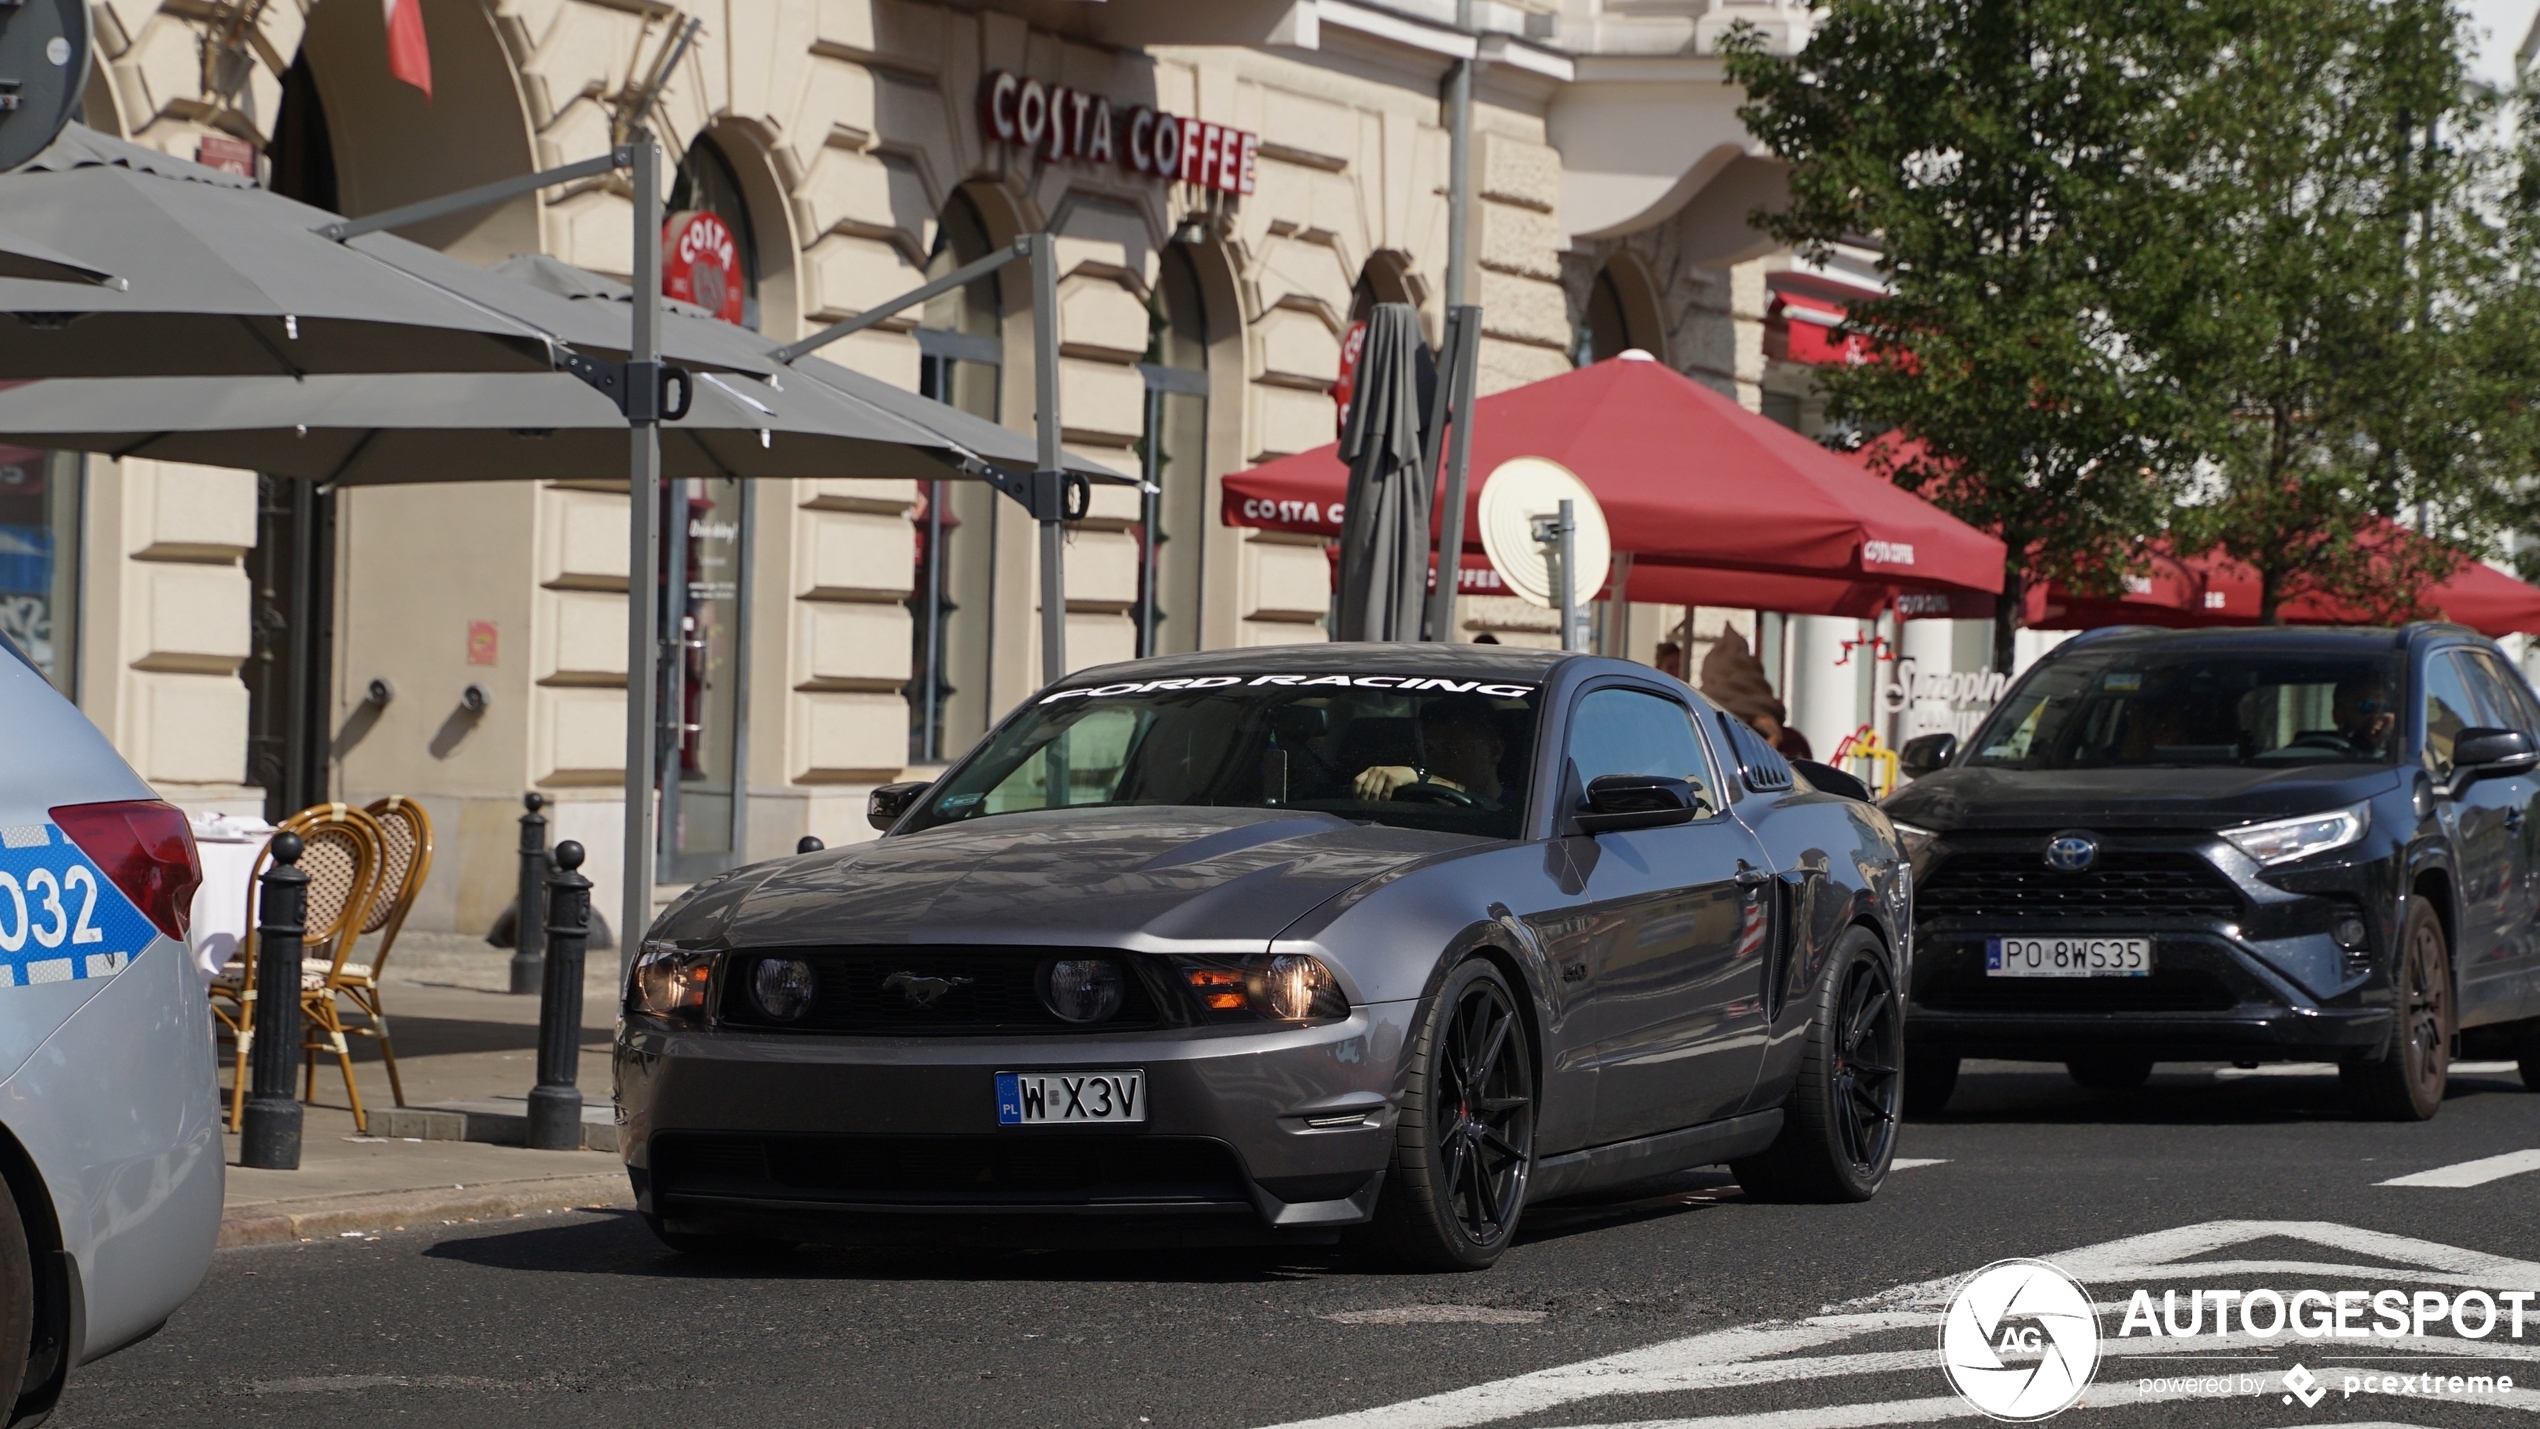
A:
[1513,496]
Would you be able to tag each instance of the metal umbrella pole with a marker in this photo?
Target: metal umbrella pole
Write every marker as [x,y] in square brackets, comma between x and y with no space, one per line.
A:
[643,541]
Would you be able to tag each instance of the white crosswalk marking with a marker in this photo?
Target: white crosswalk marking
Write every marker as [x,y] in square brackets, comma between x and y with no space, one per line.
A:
[1908,1163]
[1772,1352]
[2472,1173]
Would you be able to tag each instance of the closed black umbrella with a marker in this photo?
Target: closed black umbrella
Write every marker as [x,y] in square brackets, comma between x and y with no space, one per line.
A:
[1385,531]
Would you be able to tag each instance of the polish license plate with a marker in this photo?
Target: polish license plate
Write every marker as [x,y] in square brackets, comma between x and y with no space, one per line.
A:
[1055,1098]
[2067,957]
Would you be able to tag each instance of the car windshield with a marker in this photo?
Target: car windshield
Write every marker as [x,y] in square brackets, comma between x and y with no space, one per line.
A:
[1421,752]
[2138,707]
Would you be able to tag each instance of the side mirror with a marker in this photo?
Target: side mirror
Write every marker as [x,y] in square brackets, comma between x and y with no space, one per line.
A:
[1826,779]
[1616,802]
[892,800]
[1924,753]
[2479,752]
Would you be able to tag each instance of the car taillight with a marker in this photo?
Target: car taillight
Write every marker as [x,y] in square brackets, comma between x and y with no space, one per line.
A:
[146,848]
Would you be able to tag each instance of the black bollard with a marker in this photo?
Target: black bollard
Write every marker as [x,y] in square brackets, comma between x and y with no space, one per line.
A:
[269,1133]
[809,843]
[555,1105]
[530,927]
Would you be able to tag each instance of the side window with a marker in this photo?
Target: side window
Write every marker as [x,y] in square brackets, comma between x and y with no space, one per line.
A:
[2504,694]
[1083,765]
[1623,731]
[2449,709]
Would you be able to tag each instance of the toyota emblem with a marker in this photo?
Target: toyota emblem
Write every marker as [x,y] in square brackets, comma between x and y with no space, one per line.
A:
[2072,853]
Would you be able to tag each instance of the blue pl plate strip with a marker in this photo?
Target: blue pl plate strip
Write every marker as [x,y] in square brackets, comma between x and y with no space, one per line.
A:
[61,918]
[1009,1101]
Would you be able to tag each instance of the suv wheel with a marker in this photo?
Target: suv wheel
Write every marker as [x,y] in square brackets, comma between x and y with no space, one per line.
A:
[1464,1146]
[1838,1131]
[2407,1083]
[2110,1071]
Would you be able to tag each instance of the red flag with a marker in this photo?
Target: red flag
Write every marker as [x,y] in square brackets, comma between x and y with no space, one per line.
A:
[409,58]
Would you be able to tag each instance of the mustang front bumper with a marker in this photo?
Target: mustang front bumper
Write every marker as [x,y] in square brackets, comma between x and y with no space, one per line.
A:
[1277,1134]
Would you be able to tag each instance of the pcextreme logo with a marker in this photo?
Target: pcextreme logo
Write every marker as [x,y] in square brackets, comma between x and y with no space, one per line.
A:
[2020,1340]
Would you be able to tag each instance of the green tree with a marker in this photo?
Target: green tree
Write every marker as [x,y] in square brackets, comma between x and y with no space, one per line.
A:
[2009,158]
[2364,339]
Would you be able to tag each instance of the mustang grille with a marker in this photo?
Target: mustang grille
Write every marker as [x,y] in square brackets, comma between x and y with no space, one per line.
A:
[2122,884]
[946,989]
[1021,1171]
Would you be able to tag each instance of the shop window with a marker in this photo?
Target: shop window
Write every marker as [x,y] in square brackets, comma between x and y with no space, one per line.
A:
[705,560]
[1173,450]
[39,559]
[707,182]
[961,350]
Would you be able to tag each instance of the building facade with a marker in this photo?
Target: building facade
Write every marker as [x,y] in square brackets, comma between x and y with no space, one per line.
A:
[253,644]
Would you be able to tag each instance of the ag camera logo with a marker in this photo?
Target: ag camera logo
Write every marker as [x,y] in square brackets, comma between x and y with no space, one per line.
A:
[2020,1341]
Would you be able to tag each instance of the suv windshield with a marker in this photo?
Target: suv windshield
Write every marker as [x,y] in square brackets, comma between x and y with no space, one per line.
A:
[2145,706]
[1421,752]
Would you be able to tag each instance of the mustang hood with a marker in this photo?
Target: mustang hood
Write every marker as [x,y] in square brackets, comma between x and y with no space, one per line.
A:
[2192,797]
[1112,877]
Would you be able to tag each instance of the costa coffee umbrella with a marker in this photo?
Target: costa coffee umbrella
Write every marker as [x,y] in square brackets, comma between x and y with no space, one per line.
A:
[1686,477]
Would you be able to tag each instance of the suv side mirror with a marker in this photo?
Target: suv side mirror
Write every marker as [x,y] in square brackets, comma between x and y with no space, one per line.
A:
[1924,753]
[890,801]
[2479,752]
[1616,802]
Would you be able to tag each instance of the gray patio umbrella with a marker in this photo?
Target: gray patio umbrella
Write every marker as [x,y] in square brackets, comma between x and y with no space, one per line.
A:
[1385,529]
[373,430]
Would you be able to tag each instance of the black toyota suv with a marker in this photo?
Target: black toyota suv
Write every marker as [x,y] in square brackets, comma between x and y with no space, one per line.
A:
[2246,846]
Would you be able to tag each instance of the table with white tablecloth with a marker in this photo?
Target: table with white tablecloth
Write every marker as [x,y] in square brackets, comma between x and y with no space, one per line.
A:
[228,847]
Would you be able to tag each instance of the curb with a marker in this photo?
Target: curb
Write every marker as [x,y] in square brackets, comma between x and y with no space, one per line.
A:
[290,1222]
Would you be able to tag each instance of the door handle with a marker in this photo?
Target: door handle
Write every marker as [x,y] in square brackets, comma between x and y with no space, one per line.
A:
[1750,877]
[2513,820]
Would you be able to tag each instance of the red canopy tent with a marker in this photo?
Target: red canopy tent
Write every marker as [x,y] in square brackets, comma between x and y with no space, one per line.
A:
[2215,590]
[1701,493]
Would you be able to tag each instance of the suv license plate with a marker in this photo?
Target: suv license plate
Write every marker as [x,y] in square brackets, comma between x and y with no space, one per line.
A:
[1035,1098]
[2067,957]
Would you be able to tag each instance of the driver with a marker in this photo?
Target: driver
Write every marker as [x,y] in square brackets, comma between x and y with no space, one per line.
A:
[2361,707]
[1460,738]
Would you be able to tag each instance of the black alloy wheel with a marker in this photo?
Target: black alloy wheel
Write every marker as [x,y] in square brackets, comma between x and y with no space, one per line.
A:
[1838,1134]
[1465,1142]
[2110,1071]
[2406,1084]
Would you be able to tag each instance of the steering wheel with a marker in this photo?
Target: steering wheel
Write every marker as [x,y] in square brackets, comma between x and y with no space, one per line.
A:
[1436,794]
[2322,739]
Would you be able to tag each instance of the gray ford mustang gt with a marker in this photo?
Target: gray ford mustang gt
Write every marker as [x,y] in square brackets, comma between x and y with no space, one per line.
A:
[1282,945]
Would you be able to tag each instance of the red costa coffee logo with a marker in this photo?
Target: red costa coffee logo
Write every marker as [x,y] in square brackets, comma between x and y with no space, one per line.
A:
[1061,123]
[701,264]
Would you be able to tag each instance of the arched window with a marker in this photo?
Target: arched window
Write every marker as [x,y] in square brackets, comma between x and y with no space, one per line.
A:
[1621,314]
[1174,451]
[961,347]
[708,182]
[1602,335]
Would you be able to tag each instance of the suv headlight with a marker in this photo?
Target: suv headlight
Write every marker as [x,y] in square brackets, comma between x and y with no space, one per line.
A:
[669,981]
[2284,840]
[1911,837]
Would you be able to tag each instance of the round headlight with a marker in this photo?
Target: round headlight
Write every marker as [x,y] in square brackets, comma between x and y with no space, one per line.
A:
[783,988]
[1292,985]
[1080,989]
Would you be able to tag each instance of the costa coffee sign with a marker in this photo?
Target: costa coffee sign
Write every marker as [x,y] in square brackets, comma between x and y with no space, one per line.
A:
[701,264]
[1061,123]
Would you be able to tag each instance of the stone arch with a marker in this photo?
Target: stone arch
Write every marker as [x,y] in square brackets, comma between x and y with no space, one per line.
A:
[773,243]
[393,146]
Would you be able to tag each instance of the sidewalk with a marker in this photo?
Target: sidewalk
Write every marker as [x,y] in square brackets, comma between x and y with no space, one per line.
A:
[460,1037]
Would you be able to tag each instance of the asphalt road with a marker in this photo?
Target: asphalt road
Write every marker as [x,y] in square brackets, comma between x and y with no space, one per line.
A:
[1713,1310]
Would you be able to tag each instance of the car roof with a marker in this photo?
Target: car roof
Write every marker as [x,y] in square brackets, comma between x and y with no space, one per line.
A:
[2305,639]
[1342,656]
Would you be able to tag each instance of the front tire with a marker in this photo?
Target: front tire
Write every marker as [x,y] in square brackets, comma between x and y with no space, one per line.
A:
[2407,1083]
[1839,1127]
[1464,1145]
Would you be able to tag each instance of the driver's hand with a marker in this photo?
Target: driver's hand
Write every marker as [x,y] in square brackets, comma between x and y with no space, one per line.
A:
[1378,781]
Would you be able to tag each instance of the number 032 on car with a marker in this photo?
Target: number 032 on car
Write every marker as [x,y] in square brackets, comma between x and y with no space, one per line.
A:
[2068,957]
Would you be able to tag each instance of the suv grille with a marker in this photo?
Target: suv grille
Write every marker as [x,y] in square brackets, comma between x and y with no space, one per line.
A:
[1023,1171]
[947,989]
[2122,884]
[2166,990]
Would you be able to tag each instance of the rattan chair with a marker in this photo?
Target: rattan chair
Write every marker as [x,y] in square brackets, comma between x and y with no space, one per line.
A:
[342,853]
[405,833]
